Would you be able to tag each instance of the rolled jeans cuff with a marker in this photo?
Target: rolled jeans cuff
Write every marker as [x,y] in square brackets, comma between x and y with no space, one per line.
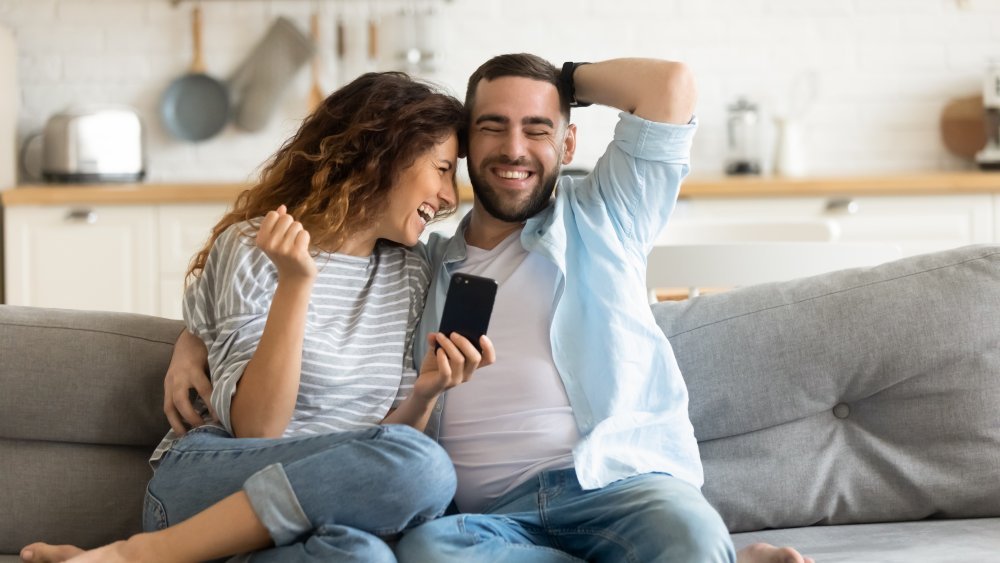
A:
[274,502]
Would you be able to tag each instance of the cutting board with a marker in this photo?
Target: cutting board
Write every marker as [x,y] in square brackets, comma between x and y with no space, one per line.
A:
[8,109]
[963,126]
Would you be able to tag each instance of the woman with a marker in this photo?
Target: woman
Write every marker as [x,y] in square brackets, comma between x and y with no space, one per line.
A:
[307,323]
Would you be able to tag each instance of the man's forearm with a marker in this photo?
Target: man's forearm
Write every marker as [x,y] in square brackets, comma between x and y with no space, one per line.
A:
[649,88]
[190,350]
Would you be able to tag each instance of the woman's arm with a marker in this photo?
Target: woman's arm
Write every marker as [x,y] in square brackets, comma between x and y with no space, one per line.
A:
[451,365]
[265,395]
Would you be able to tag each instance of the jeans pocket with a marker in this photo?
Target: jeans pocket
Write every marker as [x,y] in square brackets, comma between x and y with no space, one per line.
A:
[154,517]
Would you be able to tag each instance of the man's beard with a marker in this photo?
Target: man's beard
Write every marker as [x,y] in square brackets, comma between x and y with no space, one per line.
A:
[493,203]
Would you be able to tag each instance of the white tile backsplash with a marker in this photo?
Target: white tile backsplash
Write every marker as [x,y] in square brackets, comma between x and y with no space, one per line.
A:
[885,67]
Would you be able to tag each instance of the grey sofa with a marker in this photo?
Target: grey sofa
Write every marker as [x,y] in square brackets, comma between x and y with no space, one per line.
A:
[855,415]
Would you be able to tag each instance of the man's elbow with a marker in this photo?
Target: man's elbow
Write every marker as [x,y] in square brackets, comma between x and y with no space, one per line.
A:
[673,93]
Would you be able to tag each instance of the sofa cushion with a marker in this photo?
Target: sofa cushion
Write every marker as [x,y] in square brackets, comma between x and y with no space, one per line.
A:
[929,541]
[92,377]
[865,395]
[80,412]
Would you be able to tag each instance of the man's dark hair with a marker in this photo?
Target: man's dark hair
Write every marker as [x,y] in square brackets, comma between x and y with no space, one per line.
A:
[520,64]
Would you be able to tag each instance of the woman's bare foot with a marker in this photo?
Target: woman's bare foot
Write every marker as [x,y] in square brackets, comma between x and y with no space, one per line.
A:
[136,549]
[767,553]
[44,553]
[120,551]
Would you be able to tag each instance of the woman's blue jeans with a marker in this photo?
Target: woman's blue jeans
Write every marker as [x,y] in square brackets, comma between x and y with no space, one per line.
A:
[329,497]
[643,519]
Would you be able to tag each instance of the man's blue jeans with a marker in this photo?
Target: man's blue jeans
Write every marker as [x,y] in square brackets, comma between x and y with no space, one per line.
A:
[643,519]
[329,497]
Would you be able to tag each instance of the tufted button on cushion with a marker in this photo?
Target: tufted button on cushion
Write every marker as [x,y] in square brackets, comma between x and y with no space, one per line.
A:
[841,410]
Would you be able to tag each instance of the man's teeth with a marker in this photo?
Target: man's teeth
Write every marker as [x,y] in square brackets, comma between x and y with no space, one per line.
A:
[513,174]
[426,212]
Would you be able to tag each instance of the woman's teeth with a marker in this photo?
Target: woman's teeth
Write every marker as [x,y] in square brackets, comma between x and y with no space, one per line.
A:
[426,212]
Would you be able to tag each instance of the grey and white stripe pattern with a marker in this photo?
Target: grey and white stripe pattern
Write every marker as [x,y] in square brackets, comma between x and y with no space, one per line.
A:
[357,355]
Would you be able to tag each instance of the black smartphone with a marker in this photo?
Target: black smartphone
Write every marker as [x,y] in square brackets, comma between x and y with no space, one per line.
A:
[468,307]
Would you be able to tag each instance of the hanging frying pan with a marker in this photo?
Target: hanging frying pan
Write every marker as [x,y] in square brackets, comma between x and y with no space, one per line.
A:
[195,106]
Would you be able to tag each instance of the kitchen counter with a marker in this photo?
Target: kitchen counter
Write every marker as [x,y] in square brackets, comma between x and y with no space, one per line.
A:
[925,183]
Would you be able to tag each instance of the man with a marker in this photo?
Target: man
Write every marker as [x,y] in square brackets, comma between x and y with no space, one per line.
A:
[576,444]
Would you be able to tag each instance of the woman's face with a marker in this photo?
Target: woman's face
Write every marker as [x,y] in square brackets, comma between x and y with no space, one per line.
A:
[420,192]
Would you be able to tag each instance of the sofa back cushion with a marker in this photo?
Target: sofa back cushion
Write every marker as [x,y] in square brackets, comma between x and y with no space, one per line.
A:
[80,412]
[863,395]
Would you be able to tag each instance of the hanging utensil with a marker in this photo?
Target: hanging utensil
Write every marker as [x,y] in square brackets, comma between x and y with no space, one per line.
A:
[195,106]
[315,91]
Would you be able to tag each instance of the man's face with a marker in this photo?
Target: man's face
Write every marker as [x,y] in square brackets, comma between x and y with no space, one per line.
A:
[518,141]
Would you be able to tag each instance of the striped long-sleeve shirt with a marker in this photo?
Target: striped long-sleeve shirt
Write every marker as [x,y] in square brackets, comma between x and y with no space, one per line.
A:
[357,354]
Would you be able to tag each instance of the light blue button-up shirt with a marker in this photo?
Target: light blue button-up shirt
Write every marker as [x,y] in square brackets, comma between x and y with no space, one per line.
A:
[619,371]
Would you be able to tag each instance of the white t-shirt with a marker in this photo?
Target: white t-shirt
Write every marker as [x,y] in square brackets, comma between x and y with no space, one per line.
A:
[512,420]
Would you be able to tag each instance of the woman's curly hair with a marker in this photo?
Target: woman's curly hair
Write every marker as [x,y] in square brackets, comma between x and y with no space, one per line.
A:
[335,174]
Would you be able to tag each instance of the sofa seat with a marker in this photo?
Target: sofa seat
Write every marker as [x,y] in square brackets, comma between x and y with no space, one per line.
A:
[823,406]
[927,541]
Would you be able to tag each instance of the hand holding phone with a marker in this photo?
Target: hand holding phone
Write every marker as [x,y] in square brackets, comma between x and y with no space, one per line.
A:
[468,307]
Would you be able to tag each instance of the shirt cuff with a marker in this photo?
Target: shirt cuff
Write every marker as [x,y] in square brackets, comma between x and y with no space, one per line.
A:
[653,140]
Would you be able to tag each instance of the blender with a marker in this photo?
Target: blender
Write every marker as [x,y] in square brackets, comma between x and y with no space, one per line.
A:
[989,157]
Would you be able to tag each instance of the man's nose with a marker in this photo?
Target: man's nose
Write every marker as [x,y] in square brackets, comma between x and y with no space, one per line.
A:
[513,146]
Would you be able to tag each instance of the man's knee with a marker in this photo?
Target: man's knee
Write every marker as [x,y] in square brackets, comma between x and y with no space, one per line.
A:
[677,516]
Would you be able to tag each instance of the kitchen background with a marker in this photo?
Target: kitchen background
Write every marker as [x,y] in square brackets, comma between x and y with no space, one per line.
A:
[881,70]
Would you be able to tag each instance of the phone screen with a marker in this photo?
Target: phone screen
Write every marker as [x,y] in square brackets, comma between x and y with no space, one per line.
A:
[468,307]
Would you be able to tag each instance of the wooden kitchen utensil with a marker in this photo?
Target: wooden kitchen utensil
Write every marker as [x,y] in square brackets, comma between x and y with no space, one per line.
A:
[315,91]
[195,106]
[963,126]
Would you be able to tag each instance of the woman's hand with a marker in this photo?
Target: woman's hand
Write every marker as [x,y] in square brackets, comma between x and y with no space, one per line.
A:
[286,242]
[442,369]
[451,364]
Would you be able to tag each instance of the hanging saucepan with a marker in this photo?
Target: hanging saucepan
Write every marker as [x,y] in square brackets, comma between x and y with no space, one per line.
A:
[195,106]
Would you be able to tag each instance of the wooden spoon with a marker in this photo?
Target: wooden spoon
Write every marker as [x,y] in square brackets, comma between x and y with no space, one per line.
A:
[315,91]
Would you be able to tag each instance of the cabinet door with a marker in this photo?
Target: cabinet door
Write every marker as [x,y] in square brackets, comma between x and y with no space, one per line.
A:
[81,257]
[996,217]
[184,229]
[917,224]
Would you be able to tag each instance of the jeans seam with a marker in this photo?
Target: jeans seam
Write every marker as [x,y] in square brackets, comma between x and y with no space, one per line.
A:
[599,532]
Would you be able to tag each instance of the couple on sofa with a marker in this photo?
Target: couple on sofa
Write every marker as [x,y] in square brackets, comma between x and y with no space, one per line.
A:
[313,299]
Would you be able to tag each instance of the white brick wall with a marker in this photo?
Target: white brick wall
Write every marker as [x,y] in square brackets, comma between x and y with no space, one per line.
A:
[885,67]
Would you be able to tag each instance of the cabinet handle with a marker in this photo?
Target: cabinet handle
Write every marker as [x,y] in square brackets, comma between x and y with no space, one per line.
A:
[88,216]
[845,206]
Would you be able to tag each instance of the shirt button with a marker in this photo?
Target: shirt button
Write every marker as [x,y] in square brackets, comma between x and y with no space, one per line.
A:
[841,410]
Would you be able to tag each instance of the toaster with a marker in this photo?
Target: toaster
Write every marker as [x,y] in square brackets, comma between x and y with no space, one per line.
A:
[93,144]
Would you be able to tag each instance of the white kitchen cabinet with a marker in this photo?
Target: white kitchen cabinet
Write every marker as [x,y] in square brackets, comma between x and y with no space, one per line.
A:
[996,217]
[81,257]
[129,258]
[183,230]
[918,224]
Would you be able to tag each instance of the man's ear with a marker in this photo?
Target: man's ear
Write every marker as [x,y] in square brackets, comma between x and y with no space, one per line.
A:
[569,144]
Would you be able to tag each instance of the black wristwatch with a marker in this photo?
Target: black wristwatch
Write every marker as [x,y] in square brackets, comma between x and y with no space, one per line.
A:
[566,82]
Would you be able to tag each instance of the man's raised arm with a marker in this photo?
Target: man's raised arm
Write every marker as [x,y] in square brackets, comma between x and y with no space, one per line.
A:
[652,89]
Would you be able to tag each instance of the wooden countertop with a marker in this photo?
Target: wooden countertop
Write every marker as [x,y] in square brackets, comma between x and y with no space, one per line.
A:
[925,183]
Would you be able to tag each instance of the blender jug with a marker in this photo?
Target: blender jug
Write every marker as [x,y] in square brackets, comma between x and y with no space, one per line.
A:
[744,134]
